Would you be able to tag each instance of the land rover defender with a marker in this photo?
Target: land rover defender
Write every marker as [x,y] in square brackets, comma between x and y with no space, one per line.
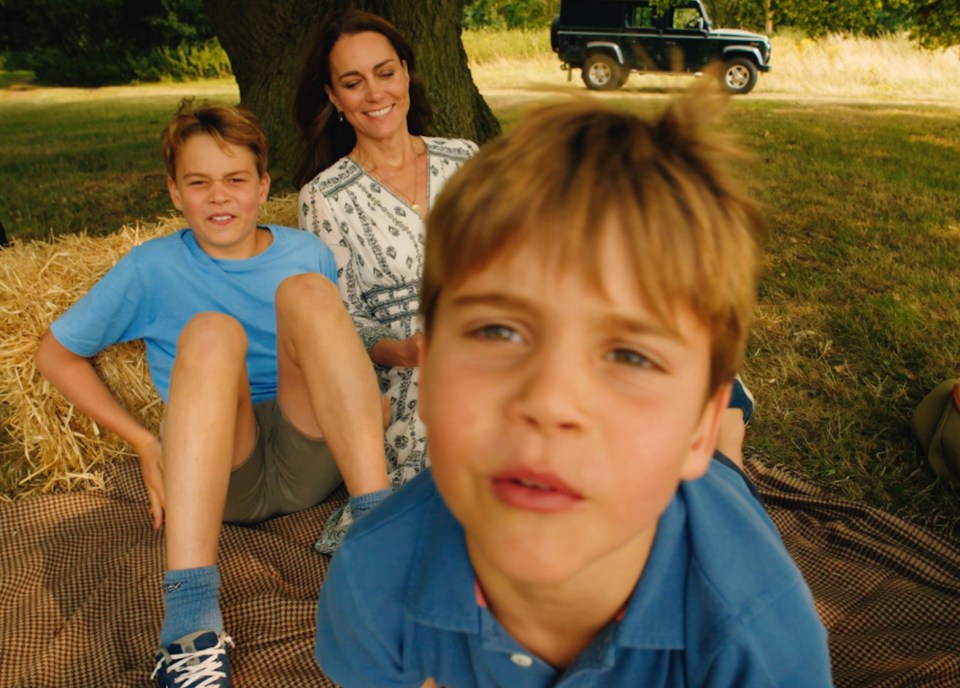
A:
[609,39]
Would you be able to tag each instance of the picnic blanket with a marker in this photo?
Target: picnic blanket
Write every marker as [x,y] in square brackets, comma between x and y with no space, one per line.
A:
[80,588]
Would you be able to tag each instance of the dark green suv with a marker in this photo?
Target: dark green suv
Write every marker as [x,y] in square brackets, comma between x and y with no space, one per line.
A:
[608,39]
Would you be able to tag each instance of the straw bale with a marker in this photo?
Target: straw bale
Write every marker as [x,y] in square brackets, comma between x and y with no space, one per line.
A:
[50,446]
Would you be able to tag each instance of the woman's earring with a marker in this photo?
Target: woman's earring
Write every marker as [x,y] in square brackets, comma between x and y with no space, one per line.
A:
[340,114]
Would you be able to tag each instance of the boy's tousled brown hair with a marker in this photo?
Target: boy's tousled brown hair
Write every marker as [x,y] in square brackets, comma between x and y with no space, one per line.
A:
[567,171]
[225,123]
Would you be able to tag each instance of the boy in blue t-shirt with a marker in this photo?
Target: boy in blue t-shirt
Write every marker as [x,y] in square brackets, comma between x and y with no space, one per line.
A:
[588,286]
[270,396]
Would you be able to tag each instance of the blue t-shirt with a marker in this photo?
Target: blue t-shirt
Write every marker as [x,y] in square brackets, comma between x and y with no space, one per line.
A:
[719,603]
[153,291]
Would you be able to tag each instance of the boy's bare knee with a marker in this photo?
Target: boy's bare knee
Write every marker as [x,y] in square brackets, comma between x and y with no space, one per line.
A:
[211,335]
[310,290]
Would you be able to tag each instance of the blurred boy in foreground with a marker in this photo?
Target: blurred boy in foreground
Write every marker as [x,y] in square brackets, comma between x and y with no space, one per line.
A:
[588,288]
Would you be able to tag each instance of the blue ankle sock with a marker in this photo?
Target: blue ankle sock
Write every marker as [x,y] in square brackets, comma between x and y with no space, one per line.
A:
[190,603]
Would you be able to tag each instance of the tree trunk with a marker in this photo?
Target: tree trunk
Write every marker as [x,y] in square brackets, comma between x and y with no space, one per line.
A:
[767,17]
[265,42]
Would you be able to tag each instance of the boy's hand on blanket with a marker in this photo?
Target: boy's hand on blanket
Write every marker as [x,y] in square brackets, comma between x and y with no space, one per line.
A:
[152,471]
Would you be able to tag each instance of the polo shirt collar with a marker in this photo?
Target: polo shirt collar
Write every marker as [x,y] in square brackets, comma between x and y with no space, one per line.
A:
[441,592]
[654,619]
[441,588]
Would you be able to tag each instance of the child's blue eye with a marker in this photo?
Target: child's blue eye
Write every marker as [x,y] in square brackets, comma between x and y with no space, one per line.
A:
[497,332]
[630,358]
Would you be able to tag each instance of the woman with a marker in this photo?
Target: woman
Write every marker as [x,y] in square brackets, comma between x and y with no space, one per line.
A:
[368,176]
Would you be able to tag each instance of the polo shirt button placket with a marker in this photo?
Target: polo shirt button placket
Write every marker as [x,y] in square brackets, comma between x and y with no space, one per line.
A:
[521,660]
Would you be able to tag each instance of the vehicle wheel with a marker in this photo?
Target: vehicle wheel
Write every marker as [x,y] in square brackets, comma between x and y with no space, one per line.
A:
[602,73]
[739,75]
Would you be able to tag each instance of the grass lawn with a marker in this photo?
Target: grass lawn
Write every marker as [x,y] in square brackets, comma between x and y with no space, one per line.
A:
[859,310]
[86,159]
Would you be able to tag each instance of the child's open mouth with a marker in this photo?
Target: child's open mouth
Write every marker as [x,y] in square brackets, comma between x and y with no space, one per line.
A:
[541,492]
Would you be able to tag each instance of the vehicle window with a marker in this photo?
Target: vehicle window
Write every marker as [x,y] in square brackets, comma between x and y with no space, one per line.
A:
[686,18]
[641,18]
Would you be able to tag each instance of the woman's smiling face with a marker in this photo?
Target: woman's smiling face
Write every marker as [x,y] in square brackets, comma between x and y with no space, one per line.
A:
[370,85]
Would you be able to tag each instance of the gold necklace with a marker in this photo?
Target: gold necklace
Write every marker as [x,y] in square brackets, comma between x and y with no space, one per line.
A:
[412,202]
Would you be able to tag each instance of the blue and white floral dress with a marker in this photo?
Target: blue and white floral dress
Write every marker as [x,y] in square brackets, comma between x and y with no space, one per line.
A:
[377,241]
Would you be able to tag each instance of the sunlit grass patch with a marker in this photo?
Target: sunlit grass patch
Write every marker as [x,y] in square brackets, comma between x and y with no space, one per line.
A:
[889,68]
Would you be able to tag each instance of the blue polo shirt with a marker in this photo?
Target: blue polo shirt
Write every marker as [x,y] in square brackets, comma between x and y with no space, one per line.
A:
[719,603]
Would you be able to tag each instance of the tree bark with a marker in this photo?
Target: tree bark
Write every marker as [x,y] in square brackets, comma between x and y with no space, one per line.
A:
[265,42]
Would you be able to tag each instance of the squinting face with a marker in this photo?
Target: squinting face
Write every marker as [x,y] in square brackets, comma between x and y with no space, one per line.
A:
[219,193]
[561,418]
[370,85]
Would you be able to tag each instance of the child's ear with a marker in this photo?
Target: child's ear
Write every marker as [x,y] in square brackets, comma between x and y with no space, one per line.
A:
[174,194]
[704,440]
[264,188]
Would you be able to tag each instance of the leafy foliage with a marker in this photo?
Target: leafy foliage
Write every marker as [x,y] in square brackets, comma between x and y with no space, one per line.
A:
[936,23]
[96,42]
[508,14]
[933,23]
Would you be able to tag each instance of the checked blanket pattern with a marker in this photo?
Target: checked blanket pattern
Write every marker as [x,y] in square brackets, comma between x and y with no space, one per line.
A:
[80,589]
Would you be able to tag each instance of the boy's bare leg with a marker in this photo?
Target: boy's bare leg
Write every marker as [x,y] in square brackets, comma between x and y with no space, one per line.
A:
[209,427]
[326,384]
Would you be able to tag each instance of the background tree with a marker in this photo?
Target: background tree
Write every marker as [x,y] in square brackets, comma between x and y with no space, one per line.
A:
[932,23]
[509,14]
[265,42]
[935,23]
[97,42]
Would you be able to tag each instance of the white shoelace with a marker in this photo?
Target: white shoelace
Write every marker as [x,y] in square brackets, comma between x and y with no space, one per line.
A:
[204,666]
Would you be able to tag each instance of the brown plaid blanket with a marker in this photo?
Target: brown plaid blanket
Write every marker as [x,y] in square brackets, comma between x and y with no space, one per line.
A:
[80,596]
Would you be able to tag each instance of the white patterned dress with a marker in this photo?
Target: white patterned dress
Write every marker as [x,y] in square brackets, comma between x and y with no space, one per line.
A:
[377,240]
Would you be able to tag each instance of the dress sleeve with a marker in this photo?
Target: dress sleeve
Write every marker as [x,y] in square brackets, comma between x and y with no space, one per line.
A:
[322,218]
[355,646]
[112,311]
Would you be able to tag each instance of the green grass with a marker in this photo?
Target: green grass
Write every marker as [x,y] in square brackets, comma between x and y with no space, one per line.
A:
[485,47]
[858,314]
[88,160]
[859,307]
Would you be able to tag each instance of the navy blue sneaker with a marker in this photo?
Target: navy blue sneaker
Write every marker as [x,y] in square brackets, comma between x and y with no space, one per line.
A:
[741,398]
[197,660]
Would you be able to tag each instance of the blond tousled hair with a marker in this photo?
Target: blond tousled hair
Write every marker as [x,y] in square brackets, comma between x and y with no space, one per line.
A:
[225,123]
[567,170]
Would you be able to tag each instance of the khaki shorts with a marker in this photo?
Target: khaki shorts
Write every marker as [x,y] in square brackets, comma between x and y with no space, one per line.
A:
[285,472]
